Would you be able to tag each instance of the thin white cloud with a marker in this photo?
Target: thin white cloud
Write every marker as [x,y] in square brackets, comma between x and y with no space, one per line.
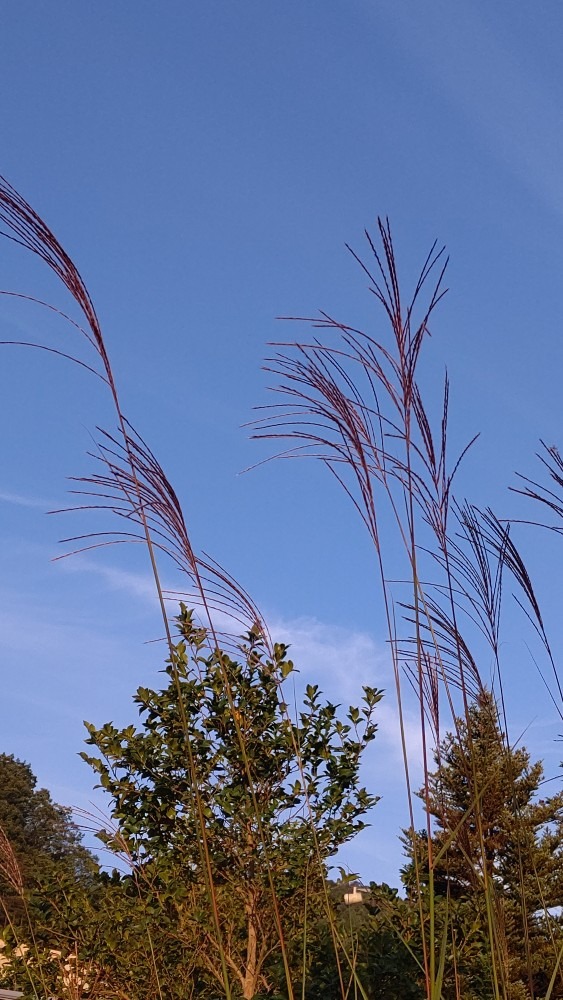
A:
[341,661]
[22,500]
[513,109]
[135,584]
[141,586]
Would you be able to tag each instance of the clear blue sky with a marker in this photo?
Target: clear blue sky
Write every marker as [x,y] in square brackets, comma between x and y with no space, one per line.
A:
[204,164]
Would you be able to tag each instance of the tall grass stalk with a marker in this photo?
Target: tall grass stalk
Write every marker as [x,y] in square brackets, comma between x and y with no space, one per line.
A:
[353,402]
[131,484]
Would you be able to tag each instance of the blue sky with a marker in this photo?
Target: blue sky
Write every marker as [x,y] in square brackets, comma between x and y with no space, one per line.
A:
[204,164]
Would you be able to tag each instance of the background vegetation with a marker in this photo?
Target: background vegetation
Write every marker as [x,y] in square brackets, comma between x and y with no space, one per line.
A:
[229,801]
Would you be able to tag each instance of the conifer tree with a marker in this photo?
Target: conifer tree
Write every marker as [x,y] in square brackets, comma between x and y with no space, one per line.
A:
[497,845]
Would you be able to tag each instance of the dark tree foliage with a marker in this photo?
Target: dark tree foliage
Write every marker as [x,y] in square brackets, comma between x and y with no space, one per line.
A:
[220,785]
[41,834]
[497,845]
[378,949]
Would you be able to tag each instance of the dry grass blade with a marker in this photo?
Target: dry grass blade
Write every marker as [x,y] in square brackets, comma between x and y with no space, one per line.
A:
[553,462]
[497,538]
[9,867]
[134,485]
[145,494]
[442,643]
[475,570]
[24,226]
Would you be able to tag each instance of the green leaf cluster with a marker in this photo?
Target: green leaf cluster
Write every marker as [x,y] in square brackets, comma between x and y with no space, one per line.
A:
[219,777]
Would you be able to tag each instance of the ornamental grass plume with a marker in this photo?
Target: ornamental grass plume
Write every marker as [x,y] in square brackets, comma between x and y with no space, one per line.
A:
[130,484]
[353,400]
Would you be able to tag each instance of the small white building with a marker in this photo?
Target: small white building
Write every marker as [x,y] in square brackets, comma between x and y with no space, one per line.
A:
[355,894]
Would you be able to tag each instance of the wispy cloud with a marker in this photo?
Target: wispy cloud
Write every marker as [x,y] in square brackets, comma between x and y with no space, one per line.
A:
[510,106]
[22,500]
[77,667]
[138,585]
[341,661]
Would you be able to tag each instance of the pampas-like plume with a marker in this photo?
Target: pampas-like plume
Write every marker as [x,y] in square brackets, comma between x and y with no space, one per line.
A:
[132,483]
[356,406]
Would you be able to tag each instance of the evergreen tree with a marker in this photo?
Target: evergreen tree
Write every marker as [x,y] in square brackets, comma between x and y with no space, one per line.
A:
[38,835]
[498,847]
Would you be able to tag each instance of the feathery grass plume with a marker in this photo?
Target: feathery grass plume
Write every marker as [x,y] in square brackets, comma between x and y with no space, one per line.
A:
[131,484]
[356,406]
[497,539]
[140,489]
[551,460]
[353,402]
